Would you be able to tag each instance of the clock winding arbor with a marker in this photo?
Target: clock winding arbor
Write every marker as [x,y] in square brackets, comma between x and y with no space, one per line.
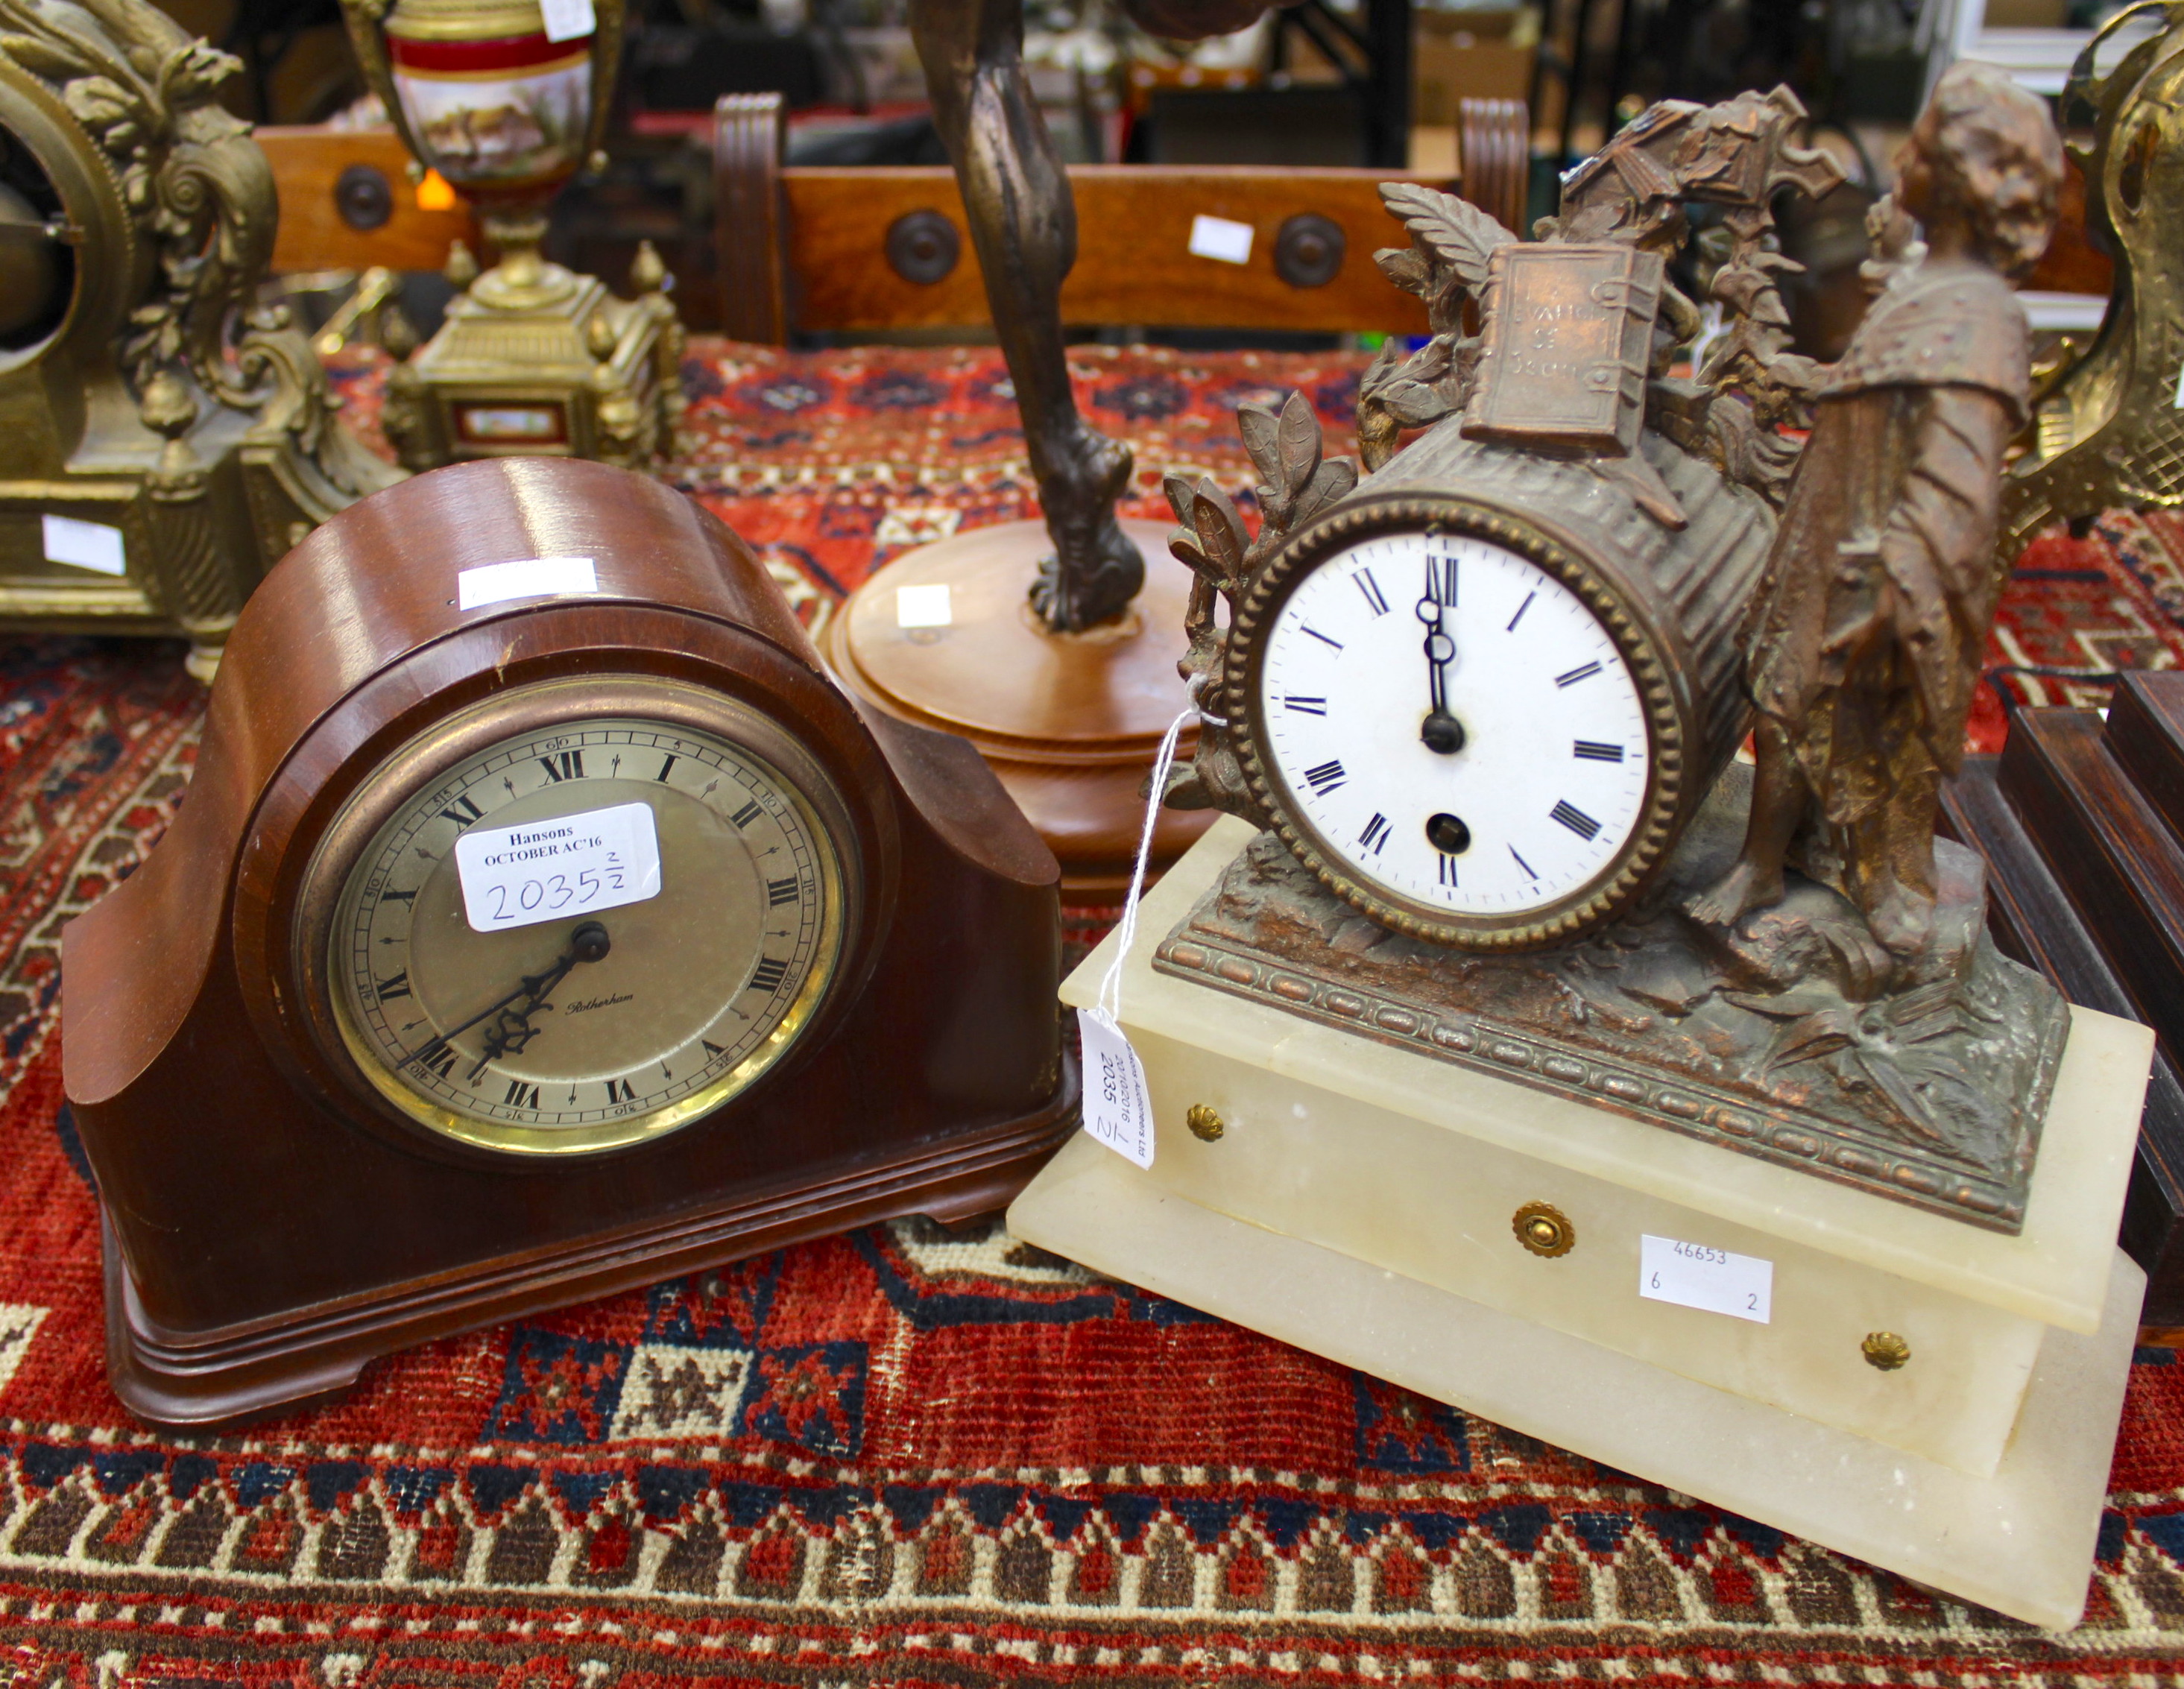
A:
[342,1095]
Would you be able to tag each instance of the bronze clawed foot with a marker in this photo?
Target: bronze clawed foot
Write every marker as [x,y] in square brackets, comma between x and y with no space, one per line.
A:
[1096,570]
[1736,894]
[1069,601]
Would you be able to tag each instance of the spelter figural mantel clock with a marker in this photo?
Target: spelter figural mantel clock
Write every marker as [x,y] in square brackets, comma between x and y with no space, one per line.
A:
[1488,699]
[542,920]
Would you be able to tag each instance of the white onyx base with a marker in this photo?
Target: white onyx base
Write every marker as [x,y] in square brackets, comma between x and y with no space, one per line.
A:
[2020,1541]
[1407,1172]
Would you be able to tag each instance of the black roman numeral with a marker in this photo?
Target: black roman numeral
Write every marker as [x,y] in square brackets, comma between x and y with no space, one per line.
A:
[1577,674]
[1447,865]
[1306,706]
[1325,778]
[1322,637]
[463,812]
[710,1048]
[748,814]
[389,989]
[767,975]
[439,1056]
[1530,873]
[1591,751]
[620,1091]
[780,891]
[397,897]
[1576,820]
[664,768]
[1440,581]
[1519,615]
[1374,837]
[520,1096]
[1371,588]
[568,766]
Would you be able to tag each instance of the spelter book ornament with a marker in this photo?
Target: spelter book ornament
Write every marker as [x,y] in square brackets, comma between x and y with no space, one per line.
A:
[544,921]
[1486,702]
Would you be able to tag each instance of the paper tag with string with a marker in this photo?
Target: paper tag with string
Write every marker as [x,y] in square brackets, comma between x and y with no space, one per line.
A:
[1118,1109]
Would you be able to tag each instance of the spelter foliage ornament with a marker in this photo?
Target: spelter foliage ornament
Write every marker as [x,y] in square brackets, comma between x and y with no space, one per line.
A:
[205,432]
[1509,811]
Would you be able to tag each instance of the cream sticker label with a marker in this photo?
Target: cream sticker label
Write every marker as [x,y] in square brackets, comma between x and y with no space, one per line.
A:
[85,545]
[566,19]
[1119,1110]
[554,870]
[527,577]
[1217,237]
[1697,1275]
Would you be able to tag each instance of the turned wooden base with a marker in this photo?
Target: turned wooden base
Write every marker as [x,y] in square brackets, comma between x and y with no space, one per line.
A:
[1069,722]
[200,1381]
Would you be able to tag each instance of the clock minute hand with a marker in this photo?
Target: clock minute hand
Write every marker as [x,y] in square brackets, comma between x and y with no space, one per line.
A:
[588,943]
[1440,732]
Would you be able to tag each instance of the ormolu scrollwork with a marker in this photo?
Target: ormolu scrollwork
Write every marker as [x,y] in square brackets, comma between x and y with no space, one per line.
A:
[232,436]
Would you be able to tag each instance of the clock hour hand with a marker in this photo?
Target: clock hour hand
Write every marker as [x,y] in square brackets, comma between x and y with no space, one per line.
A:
[588,943]
[1440,730]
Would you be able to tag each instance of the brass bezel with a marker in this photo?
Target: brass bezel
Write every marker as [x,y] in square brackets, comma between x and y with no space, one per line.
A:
[1608,892]
[539,706]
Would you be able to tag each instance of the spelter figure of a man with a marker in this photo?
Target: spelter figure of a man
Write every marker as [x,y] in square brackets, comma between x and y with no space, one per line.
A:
[1883,583]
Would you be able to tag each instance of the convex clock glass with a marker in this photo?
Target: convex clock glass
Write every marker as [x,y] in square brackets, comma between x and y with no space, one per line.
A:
[541,996]
[1454,724]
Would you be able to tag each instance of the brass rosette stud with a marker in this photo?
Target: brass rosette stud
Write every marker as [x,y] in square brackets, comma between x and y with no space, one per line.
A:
[1205,1124]
[1544,1229]
[1885,1350]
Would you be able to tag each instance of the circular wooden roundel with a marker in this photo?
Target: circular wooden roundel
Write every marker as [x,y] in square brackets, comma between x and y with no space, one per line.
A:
[568,878]
[1475,719]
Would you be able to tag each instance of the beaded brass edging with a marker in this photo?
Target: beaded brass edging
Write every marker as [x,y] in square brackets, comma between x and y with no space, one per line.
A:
[1640,645]
[1708,1113]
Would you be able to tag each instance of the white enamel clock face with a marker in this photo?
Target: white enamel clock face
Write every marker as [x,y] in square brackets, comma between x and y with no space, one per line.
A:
[587,1020]
[1455,725]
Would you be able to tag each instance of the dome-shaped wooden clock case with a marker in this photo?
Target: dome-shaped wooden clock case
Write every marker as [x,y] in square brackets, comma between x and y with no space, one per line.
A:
[272,1224]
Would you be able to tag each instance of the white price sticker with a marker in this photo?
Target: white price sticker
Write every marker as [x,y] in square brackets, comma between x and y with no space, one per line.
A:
[1217,237]
[925,606]
[1697,1275]
[527,577]
[566,19]
[550,870]
[85,545]
[1118,1110]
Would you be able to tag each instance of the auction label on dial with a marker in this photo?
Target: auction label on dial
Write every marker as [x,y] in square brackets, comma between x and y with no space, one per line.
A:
[1118,1111]
[1697,1275]
[551,870]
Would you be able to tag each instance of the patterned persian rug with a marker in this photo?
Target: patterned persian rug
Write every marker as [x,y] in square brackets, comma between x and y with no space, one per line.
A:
[904,1455]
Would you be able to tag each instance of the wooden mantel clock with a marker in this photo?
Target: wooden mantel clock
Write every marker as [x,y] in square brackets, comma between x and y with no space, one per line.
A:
[542,922]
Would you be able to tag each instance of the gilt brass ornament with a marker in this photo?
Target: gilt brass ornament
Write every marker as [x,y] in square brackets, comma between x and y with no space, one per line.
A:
[2105,430]
[1884,1351]
[1544,1229]
[534,360]
[1484,700]
[164,436]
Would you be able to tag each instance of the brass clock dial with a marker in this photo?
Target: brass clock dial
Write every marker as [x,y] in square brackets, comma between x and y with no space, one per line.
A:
[588,1012]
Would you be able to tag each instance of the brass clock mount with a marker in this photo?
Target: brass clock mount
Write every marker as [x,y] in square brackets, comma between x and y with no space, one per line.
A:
[163,438]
